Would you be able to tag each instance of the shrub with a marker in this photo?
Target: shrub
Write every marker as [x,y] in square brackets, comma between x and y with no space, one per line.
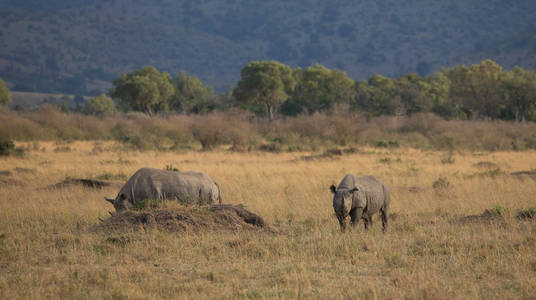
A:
[497,210]
[7,147]
[387,144]
[526,213]
[146,203]
[209,130]
[441,183]
[171,168]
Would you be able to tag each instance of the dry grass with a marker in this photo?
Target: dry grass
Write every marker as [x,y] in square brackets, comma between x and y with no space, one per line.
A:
[46,252]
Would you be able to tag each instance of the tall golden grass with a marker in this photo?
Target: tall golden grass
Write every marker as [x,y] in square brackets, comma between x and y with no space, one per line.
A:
[46,252]
[315,132]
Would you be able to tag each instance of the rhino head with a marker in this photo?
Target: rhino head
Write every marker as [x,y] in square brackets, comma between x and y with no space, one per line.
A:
[342,203]
[121,202]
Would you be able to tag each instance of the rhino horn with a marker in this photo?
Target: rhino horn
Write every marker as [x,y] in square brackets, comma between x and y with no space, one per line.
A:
[111,213]
[109,200]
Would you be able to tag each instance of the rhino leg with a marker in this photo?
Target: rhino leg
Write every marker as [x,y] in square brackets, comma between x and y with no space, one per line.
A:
[367,221]
[385,219]
[342,222]
[355,215]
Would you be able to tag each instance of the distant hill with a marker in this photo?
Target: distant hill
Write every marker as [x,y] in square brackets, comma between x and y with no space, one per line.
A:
[79,47]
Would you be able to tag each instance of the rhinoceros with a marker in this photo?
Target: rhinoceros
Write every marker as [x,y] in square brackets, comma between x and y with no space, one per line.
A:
[360,197]
[148,183]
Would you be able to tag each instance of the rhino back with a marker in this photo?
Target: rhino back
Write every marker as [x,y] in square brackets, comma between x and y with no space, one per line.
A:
[187,187]
[374,192]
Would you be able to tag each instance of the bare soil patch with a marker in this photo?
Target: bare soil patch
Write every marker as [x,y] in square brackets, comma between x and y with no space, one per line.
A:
[218,217]
[523,174]
[89,183]
[486,165]
[486,216]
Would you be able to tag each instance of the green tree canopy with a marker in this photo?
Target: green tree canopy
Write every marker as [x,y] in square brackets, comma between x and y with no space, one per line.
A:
[101,105]
[265,83]
[376,96]
[191,96]
[319,88]
[147,90]
[5,95]
[478,88]
[520,92]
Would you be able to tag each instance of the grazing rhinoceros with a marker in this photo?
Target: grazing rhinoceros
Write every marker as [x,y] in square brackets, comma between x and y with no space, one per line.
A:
[360,198]
[186,187]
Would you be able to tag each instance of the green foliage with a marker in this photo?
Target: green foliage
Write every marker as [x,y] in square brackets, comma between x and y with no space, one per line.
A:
[478,89]
[376,96]
[146,204]
[5,95]
[387,144]
[526,213]
[191,96]
[147,90]
[100,106]
[265,83]
[319,89]
[7,148]
[520,94]
[497,210]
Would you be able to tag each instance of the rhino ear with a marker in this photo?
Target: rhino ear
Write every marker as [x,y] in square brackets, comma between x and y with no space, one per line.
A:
[354,190]
[333,189]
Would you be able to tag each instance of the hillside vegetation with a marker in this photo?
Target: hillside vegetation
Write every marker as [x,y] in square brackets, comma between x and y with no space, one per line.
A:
[78,47]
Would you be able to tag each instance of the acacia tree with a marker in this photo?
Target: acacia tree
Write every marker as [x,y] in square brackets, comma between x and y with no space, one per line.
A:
[266,83]
[478,88]
[101,105]
[191,96]
[5,96]
[377,96]
[319,88]
[146,90]
[520,92]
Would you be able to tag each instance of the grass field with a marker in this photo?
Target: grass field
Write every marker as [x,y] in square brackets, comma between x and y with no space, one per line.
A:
[427,252]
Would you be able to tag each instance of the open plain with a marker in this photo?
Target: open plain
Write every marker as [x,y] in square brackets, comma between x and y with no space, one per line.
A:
[430,251]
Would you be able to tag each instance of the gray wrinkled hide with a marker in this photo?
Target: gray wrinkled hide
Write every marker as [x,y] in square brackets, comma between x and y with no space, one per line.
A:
[371,197]
[185,187]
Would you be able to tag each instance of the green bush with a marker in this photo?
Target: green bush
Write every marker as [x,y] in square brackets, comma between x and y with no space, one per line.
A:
[7,148]
[387,144]
[526,213]
[146,203]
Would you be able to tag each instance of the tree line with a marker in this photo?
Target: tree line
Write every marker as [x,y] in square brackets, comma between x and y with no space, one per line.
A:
[479,91]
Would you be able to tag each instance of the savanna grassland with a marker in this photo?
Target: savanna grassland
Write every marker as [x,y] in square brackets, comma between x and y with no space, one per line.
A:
[428,252]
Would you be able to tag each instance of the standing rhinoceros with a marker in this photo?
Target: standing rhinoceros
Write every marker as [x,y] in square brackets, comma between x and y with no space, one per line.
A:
[360,197]
[186,187]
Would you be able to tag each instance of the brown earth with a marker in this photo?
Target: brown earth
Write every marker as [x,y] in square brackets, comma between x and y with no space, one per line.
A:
[218,217]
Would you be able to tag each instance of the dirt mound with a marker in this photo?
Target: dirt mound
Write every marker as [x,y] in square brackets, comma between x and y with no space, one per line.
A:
[89,183]
[486,216]
[486,165]
[219,217]
[522,174]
